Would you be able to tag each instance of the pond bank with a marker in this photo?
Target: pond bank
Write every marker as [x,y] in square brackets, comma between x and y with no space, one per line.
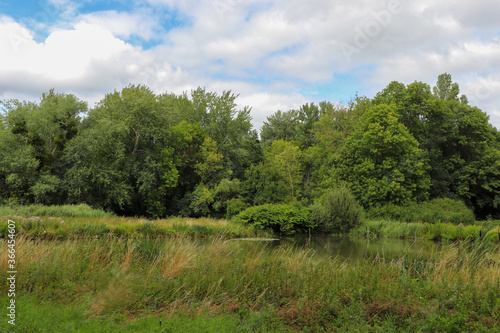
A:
[487,230]
[188,285]
[60,228]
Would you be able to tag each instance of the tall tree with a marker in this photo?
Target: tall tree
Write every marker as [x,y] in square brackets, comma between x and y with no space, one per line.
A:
[218,115]
[459,143]
[337,123]
[382,161]
[41,132]
[445,89]
[286,158]
[280,126]
[116,159]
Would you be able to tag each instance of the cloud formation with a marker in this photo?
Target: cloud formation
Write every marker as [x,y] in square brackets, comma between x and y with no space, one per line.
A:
[272,53]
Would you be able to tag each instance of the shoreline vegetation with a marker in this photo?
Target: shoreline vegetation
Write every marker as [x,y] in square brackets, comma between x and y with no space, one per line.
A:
[413,162]
[82,221]
[140,283]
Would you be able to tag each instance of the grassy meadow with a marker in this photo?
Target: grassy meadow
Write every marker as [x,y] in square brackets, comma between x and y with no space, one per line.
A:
[74,278]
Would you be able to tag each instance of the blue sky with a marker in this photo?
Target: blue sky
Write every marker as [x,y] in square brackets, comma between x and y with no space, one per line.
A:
[276,54]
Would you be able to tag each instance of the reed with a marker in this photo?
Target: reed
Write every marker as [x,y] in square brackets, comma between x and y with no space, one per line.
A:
[259,288]
[62,228]
[433,231]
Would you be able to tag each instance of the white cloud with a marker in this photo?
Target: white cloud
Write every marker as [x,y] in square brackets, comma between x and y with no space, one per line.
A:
[124,25]
[64,54]
[264,104]
[268,51]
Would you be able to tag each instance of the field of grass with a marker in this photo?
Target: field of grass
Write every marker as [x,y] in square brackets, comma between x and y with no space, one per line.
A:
[133,284]
[85,273]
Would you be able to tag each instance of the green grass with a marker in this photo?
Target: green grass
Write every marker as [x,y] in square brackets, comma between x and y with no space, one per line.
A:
[81,221]
[433,231]
[53,318]
[125,285]
[61,228]
[81,210]
[116,274]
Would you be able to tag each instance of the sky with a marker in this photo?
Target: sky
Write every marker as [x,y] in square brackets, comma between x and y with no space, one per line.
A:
[275,54]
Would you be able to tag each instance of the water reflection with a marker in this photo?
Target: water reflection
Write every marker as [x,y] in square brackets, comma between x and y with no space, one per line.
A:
[349,248]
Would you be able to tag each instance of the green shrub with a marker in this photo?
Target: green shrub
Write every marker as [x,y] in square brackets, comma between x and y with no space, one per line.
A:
[443,210]
[282,218]
[337,211]
[234,207]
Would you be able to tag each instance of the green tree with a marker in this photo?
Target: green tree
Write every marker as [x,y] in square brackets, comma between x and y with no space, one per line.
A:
[382,161]
[337,123]
[286,158]
[280,126]
[220,118]
[210,167]
[39,132]
[263,185]
[293,125]
[117,160]
[458,141]
[18,167]
[445,89]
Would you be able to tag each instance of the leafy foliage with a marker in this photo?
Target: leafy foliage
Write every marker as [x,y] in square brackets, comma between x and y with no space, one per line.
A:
[282,218]
[285,158]
[433,211]
[458,142]
[33,141]
[337,211]
[196,154]
[382,160]
[263,186]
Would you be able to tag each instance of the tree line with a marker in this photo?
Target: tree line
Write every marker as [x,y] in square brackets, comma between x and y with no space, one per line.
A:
[197,154]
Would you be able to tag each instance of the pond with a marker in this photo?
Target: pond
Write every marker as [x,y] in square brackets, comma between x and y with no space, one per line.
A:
[349,248]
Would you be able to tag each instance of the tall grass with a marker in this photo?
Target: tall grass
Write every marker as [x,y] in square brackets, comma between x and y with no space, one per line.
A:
[80,210]
[443,210]
[432,231]
[60,228]
[456,289]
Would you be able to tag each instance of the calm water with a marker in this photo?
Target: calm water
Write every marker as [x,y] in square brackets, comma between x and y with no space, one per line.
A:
[349,248]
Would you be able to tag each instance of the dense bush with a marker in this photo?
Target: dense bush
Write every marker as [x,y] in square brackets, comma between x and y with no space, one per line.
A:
[433,211]
[234,207]
[283,218]
[337,211]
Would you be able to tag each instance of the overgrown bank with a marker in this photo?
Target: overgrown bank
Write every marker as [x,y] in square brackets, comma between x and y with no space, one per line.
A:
[340,217]
[77,222]
[483,231]
[132,285]
[139,275]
